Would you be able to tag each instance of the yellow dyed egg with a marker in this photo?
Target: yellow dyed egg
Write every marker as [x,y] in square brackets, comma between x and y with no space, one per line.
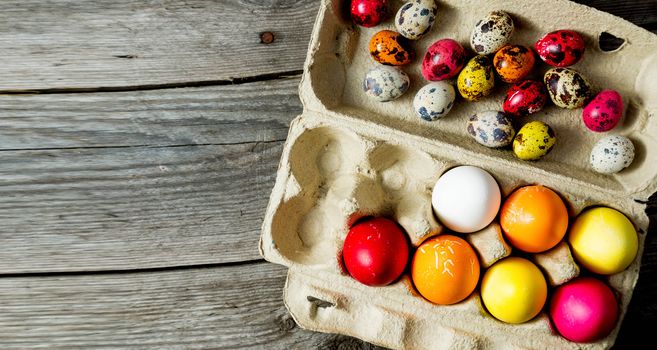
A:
[604,241]
[476,80]
[514,290]
[533,141]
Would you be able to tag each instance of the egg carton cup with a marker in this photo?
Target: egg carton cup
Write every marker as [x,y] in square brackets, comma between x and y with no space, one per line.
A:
[348,157]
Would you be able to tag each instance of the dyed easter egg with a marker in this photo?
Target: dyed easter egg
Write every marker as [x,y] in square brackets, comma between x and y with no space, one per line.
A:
[584,310]
[534,219]
[476,80]
[568,88]
[604,112]
[415,18]
[491,129]
[514,290]
[369,13]
[513,63]
[375,252]
[525,98]
[491,33]
[533,141]
[445,269]
[612,154]
[434,100]
[466,199]
[390,48]
[385,83]
[603,240]
[561,48]
[444,60]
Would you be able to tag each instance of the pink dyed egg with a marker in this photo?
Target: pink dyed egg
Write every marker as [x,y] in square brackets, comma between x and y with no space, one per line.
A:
[604,112]
[584,310]
[444,60]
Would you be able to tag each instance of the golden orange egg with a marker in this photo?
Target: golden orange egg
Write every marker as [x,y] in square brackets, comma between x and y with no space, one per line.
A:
[534,219]
[445,269]
[514,62]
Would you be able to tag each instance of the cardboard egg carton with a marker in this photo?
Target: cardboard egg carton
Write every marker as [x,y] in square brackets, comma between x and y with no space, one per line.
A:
[347,157]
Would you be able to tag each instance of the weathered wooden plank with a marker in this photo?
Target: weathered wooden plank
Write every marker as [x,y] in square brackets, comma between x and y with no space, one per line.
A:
[259,111]
[640,12]
[134,207]
[124,195]
[89,44]
[227,308]
[209,308]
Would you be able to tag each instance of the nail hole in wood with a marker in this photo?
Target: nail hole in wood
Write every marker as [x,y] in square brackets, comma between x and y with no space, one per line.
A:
[609,42]
[267,37]
[319,302]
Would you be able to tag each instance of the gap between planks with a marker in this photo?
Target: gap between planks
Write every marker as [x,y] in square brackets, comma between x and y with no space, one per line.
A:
[148,87]
[173,268]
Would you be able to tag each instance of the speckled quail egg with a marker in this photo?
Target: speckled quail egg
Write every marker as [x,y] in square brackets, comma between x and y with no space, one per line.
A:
[434,100]
[476,80]
[567,87]
[491,128]
[612,154]
[491,33]
[385,83]
[533,141]
[415,18]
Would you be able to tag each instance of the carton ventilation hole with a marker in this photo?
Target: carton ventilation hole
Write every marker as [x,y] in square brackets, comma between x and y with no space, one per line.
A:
[610,43]
[319,302]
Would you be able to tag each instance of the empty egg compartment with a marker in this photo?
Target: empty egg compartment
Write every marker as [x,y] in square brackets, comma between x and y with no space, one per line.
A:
[339,58]
[333,175]
[336,177]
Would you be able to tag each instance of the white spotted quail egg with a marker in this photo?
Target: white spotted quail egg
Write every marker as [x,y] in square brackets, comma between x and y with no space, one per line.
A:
[491,33]
[612,154]
[385,83]
[434,100]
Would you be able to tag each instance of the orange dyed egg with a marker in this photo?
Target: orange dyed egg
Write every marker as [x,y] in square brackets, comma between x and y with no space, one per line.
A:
[445,269]
[390,48]
[514,62]
[534,219]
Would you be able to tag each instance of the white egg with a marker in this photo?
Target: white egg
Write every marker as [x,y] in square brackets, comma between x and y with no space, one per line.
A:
[434,100]
[466,199]
[612,154]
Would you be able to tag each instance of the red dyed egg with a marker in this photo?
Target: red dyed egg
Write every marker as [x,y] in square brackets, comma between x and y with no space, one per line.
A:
[525,98]
[604,112]
[375,252]
[369,13]
[561,48]
[584,310]
[444,60]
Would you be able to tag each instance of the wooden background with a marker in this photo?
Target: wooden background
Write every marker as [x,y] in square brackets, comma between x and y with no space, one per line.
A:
[138,146]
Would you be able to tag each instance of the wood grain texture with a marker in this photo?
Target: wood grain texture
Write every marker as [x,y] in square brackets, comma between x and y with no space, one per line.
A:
[132,180]
[253,112]
[640,12]
[133,208]
[90,44]
[210,308]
